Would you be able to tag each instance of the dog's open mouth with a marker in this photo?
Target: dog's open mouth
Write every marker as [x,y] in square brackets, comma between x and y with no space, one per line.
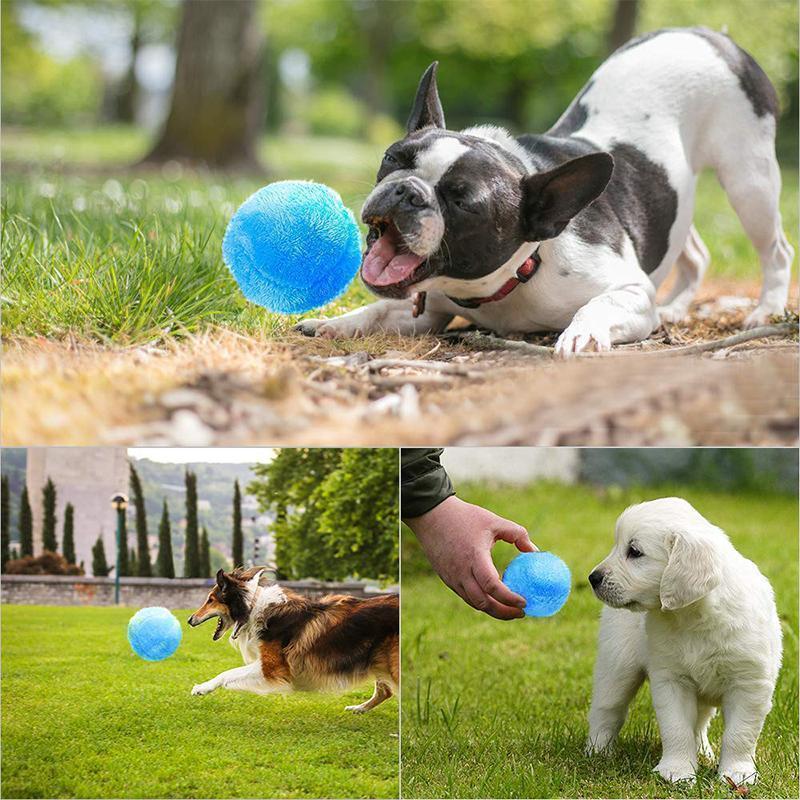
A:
[219,629]
[388,262]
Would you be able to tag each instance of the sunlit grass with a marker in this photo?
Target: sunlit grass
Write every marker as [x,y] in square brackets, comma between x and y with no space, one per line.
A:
[115,255]
[84,717]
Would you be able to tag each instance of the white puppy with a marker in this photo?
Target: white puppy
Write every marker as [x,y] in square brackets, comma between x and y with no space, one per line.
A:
[709,636]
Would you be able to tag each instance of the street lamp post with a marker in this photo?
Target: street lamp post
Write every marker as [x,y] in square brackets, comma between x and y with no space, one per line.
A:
[119,503]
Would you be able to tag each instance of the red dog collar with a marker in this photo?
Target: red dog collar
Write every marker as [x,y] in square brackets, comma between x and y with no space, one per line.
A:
[522,275]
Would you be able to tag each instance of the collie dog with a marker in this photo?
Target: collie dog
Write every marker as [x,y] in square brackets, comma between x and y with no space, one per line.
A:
[293,643]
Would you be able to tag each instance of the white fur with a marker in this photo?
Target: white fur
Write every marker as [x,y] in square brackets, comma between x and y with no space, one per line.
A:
[502,138]
[677,101]
[709,637]
[432,162]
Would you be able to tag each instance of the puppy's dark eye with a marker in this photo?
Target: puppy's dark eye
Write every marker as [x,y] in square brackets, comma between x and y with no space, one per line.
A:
[388,158]
[633,552]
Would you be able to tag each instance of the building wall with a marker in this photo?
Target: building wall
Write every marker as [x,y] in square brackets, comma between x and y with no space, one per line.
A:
[177,593]
[87,477]
[514,465]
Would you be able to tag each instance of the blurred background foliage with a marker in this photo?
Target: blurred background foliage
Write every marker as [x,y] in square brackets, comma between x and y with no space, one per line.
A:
[350,67]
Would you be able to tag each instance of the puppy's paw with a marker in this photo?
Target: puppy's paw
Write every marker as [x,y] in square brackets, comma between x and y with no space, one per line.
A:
[581,338]
[676,771]
[202,688]
[356,709]
[599,746]
[742,773]
[309,327]
[340,328]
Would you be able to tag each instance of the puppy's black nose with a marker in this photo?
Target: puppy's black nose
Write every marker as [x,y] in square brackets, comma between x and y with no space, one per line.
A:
[410,194]
[596,578]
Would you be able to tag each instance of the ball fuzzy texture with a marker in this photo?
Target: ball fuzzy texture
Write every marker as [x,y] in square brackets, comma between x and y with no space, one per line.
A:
[542,578]
[293,246]
[154,633]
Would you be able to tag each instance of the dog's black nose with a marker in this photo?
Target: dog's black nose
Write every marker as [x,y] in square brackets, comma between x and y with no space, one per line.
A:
[411,194]
[596,578]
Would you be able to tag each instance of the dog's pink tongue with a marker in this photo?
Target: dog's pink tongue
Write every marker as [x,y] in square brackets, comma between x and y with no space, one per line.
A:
[383,266]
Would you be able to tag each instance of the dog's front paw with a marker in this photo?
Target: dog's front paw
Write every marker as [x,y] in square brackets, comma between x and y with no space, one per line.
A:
[310,327]
[742,773]
[581,338]
[355,709]
[761,316]
[202,688]
[676,771]
[672,313]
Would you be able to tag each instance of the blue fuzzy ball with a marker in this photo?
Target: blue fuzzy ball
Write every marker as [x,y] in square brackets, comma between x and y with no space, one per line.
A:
[293,246]
[154,633]
[543,579]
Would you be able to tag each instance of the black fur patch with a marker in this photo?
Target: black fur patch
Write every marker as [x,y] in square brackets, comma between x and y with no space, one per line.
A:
[576,115]
[234,595]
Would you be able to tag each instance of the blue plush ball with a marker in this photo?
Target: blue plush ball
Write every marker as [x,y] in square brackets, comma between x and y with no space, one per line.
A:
[542,579]
[154,633]
[293,246]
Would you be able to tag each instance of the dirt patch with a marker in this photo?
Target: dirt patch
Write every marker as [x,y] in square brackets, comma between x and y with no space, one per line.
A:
[222,388]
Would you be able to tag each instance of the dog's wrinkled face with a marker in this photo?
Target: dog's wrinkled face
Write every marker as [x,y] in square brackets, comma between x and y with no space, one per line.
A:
[228,602]
[665,556]
[460,205]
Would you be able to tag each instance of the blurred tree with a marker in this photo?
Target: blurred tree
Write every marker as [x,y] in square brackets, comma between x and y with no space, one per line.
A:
[165,565]
[217,94]
[237,547]
[205,555]
[623,23]
[143,567]
[100,566]
[133,567]
[5,523]
[25,524]
[336,511]
[191,562]
[49,541]
[68,540]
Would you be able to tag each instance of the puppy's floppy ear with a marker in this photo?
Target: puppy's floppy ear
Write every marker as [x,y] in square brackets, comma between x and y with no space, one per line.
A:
[551,199]
[427,109]
[692,571]
[222,579]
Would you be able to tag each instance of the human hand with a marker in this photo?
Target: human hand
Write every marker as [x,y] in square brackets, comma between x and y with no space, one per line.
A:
[457,538]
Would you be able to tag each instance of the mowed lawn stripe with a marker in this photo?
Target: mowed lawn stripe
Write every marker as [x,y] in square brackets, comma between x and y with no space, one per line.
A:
[494,709]
[82,716]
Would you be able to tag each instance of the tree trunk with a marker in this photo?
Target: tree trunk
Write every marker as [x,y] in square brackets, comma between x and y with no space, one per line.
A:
[127,95]
[623,24]
[216,105]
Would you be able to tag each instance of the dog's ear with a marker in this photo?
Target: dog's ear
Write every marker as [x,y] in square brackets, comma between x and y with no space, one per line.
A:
[427,109]
[692,571]
[222,579]
[551,199]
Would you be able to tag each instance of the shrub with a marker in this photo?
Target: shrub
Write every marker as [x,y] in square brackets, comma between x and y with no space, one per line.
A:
[48,563]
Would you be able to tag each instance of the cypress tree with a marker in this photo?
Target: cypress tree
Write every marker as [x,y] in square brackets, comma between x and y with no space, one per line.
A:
[49,541]
[143,567]
[25,524]
[132,563]
[5,523]
[100,566]
[68,542]
[165,564]
[237,546]
[14,554]
[205,555]
[191,565]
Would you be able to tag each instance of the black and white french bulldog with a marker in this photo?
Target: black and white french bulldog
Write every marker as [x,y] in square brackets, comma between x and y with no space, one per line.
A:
[575,229]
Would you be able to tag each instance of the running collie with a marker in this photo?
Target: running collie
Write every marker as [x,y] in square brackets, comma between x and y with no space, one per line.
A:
[290,642]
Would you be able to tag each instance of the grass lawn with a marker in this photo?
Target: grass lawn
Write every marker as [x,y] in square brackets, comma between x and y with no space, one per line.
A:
[104,253]
[82,716]
[493,709]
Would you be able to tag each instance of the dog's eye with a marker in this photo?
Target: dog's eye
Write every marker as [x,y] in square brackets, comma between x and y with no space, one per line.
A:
[633,552]
[388,158]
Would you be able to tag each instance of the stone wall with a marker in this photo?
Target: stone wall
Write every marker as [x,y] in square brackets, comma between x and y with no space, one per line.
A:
[178,593]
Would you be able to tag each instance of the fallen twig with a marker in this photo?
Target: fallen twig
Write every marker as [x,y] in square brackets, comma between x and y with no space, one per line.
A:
[434,366]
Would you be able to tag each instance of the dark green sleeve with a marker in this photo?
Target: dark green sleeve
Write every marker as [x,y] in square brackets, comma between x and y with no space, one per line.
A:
[423,480]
